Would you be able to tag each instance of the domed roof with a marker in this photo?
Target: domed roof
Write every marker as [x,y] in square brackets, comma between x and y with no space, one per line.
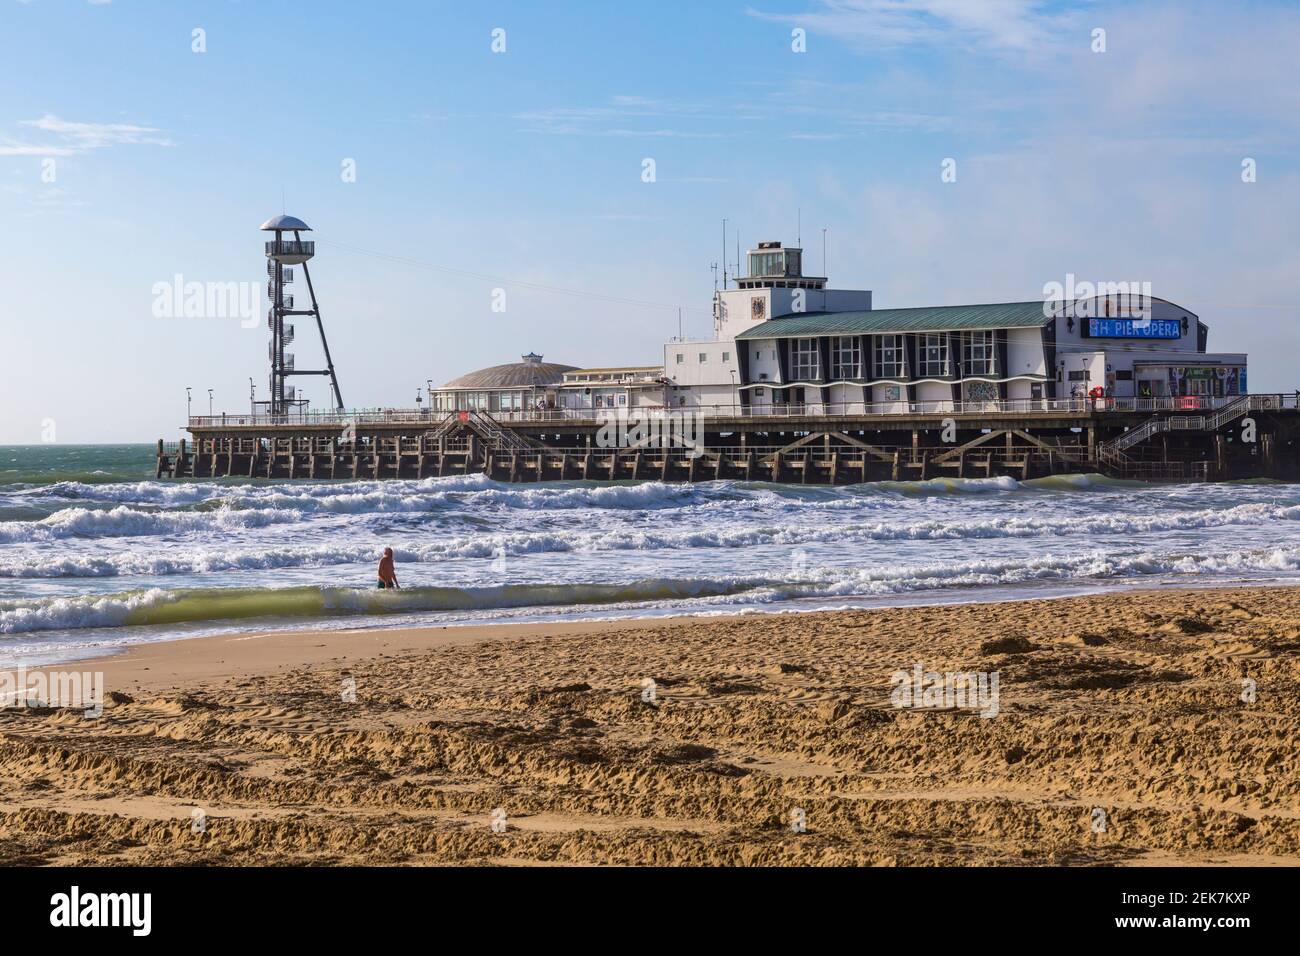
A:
[285,223]
[532,371]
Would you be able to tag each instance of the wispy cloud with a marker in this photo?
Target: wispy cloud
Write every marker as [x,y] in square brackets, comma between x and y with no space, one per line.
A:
[70,138]
[997,24]
[619,116]
[97,135]
[53,199]
[30,149]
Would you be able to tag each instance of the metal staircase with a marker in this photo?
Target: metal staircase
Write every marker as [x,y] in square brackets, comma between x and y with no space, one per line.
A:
[498,438]
[486,427]
[1114,452]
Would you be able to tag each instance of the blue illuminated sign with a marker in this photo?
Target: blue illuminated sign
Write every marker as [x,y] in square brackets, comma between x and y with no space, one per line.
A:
[1135,328]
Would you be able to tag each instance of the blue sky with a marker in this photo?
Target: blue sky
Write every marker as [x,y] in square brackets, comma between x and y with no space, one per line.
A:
[523,170]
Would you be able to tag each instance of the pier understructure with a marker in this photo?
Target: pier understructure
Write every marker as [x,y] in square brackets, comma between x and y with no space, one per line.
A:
[1245,436]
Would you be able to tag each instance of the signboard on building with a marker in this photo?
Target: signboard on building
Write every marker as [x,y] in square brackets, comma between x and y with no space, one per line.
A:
[1133,329]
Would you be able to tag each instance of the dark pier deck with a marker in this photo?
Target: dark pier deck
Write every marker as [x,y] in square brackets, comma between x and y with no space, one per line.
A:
[1151,439]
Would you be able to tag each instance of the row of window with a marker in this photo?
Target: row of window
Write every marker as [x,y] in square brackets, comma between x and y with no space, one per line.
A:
[514,401]
[480,401]
[890,358]
[704,357]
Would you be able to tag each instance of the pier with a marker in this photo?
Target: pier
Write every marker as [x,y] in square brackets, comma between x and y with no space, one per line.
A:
[828,390]
[1164,439]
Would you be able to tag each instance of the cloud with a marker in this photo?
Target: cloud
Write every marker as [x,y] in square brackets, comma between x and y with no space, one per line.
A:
[617,119]
[1010,25]
[72,138]
[29,149]
[97,135]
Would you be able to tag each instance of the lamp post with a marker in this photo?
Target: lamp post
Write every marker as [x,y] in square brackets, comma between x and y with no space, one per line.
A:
[188,402]
[418,406]
[209,403]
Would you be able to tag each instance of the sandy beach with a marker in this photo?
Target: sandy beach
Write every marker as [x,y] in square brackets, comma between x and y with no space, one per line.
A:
[1122,736]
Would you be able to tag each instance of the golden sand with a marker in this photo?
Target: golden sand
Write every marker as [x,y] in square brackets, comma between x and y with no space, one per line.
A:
[1122,737]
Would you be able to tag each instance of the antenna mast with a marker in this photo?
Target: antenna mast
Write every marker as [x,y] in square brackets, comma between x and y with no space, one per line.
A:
[724,253]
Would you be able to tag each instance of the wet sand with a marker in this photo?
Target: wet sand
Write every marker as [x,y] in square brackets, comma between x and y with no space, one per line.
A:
[1120,737]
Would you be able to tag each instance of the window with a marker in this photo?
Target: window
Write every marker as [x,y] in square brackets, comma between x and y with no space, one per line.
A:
[934,354]
[1079,376]
[846,357]
[681,357]
[890,360]
[804,353]
[977,353]
[767,264]
[704,357]
[726,357]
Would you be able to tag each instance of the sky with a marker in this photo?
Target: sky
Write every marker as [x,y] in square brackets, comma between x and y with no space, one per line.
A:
[443,151]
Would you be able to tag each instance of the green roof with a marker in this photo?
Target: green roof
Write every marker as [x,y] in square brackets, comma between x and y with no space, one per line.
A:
[941,318]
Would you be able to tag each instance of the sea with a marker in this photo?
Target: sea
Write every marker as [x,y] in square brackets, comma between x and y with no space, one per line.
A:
[97,555]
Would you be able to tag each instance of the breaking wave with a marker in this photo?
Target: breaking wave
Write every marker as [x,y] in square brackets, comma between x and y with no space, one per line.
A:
[173,561]
[200,605]
[124,521]
[193,605]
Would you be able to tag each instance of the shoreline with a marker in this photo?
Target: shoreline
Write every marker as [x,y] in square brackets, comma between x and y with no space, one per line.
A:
[210,656]
[377,747]
[282,641]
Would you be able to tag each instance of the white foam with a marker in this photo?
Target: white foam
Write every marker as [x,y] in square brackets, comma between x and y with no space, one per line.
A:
[124,521]
[77,613]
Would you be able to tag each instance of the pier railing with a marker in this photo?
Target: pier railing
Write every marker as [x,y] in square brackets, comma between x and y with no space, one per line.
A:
[433,418]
